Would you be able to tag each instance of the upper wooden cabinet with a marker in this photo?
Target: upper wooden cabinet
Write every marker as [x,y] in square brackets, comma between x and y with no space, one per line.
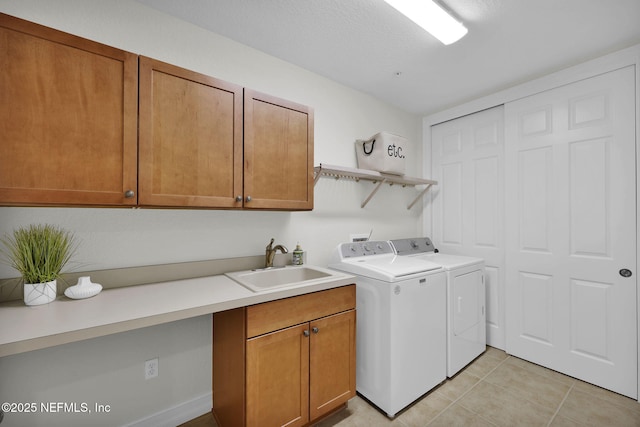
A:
[68,118]
[190,138]
[278,153]
[73,131]
[193,153]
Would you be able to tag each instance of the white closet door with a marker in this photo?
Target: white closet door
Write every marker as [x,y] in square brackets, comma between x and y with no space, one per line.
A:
[468,162]
[571,227]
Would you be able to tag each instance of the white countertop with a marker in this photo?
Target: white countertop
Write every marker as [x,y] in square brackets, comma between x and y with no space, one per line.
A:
[25,328]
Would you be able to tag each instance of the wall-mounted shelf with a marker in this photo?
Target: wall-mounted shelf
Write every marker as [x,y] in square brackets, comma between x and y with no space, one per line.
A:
[377,178]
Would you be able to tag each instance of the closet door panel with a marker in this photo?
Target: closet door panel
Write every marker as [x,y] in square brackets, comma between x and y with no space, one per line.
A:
[468,162]
[571,230]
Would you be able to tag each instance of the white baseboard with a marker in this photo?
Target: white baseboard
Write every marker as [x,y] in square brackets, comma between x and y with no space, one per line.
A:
[178,414]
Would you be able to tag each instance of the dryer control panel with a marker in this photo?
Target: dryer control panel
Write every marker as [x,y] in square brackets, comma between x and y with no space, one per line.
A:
[416,245]
[360,249]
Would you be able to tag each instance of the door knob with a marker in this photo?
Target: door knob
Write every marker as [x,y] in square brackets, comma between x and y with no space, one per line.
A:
[238,198]
[305,332]
[248,199]
[315,330]
[129,194]
[625,272]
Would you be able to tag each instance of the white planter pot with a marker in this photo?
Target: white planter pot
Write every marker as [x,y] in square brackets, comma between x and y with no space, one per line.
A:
[39,293]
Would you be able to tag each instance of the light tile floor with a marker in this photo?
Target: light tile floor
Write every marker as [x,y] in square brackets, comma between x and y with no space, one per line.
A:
[499,390]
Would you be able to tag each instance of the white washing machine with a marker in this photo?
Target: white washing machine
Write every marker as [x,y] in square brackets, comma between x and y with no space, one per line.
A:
[466,318]
[401,323]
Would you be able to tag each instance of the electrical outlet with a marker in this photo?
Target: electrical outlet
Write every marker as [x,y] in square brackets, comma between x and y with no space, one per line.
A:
[151,368]
[359,237]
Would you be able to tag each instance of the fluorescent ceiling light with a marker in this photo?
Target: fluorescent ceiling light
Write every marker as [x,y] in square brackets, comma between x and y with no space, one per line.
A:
[432,18]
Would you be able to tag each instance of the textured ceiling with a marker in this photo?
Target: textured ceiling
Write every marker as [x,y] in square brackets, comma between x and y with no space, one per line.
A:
[367,45]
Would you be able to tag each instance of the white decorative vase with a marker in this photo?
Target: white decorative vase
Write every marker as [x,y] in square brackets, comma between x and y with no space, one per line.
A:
[39,293]
[84,289]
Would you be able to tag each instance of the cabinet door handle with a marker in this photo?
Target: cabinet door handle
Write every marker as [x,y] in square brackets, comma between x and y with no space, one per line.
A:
[129,194]
[248,199]
[315,330]
[305,332]
[238,198]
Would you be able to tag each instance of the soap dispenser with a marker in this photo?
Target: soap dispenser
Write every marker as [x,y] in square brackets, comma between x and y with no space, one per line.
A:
[298,255]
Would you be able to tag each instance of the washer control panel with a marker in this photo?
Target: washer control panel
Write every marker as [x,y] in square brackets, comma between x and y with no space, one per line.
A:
[360,249]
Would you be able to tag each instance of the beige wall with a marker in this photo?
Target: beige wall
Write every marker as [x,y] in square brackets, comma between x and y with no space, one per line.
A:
[110,370]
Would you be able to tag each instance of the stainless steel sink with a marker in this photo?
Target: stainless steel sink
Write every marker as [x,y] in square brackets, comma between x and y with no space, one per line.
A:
[279,277]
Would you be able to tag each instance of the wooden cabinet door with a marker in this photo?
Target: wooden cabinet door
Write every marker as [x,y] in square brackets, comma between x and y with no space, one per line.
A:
[277,378]
[278,153]
[332,366]
[68,118]
[190,138]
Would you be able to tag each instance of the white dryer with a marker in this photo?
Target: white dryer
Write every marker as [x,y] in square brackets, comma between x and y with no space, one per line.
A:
[401,323]
[466,318]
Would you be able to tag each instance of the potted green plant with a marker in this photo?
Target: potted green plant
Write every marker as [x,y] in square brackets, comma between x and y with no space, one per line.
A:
[39,253]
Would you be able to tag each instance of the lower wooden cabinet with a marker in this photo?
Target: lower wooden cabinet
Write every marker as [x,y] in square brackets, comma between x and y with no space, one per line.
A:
[278,378]
[292,375]
[332,379]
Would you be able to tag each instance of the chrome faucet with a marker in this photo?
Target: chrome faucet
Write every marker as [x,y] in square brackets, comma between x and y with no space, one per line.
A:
[271,253]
